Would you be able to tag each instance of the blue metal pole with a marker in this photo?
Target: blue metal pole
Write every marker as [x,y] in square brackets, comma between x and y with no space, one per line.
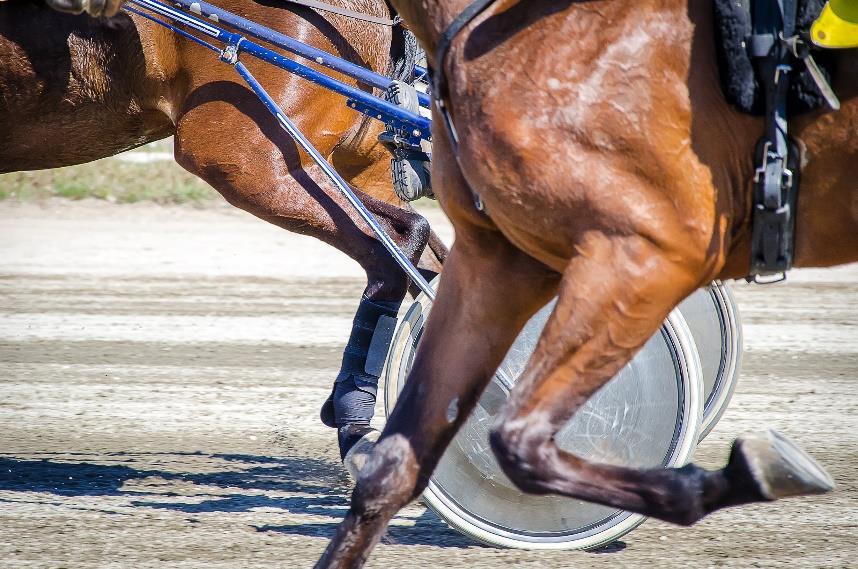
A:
[337,180]
[292,45]
[418,126]
[421,124]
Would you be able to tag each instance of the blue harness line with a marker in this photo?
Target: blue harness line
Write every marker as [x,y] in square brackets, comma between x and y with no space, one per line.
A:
[410,126]
[292,45]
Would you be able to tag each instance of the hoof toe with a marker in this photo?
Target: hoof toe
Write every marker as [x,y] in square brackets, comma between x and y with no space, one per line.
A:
[357,455]
[777,467]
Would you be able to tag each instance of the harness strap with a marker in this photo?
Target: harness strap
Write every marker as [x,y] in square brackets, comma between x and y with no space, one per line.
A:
[773,217]
[439,80]
[325,7]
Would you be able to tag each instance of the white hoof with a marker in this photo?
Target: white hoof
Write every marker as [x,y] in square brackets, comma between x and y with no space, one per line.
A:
[357,455]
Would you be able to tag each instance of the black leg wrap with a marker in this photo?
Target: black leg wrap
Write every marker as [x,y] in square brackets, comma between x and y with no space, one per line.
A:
[353,403]
[352,400]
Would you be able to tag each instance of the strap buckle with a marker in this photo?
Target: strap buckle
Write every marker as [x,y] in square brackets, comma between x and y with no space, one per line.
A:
[801,51]
[776,278]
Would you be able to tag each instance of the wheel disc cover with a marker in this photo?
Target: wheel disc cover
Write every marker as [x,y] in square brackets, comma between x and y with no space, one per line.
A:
[647,416]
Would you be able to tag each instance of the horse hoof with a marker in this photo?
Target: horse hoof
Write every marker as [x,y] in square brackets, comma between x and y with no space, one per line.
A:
[358,454]
[777,467]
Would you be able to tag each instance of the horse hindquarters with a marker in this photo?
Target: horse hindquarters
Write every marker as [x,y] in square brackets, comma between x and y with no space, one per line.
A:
[75,89]
[592,166]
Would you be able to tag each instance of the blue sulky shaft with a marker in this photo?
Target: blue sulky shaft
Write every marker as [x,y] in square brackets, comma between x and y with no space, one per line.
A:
[292,45]
[334,176]
[416,126]
[235,44]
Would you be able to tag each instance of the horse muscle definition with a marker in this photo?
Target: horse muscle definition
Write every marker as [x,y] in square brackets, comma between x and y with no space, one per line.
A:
[75,89]
[613,173]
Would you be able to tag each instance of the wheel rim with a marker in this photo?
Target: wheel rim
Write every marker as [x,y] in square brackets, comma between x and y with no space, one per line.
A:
[712,316]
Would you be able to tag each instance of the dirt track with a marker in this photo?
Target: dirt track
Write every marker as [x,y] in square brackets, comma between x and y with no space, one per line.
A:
[161,372]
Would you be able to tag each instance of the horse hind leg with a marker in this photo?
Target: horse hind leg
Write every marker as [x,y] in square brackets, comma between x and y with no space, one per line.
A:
[612,299]
[351,404]
[304,201]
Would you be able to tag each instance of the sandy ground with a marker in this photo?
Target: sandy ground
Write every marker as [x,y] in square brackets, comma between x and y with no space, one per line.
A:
[161,372]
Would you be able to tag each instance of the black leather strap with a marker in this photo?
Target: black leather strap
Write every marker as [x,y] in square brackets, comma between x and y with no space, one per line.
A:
[439,81]
[325,7]
[446,39]
[775,185]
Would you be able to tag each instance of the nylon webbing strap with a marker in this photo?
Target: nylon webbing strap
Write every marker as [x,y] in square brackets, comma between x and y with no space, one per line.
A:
[325,7]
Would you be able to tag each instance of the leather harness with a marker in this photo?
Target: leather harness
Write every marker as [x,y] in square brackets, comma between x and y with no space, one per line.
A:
[775,183]
[436,72]
[325,7]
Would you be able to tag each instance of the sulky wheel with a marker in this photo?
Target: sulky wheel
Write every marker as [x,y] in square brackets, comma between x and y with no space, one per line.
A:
[713,317]
[649,415]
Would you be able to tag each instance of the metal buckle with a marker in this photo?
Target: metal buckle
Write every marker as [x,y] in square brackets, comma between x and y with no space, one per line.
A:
[761,170]
[782,68]
[777,278]
[787,178]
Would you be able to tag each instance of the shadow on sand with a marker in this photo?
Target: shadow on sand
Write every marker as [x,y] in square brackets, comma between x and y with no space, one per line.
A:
[231,483]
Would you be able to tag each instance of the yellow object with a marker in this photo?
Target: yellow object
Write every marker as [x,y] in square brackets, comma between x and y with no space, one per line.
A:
[837,25]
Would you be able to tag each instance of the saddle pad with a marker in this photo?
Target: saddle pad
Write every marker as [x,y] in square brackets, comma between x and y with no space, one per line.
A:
[739,81]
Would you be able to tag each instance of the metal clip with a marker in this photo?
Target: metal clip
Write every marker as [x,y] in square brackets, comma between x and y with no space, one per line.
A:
[761,170]
[800,50]
[783,68]
[777,278]
[229,54]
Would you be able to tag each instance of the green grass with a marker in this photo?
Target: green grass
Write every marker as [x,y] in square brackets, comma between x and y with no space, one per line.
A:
[115,180]
[112,179]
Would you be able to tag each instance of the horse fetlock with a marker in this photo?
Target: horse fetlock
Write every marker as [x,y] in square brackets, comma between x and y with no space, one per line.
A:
[767,466]
[521,456]
[683,494]
[388,479]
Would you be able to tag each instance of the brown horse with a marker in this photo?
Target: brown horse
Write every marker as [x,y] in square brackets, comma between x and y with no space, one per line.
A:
[74,89]
[612,172]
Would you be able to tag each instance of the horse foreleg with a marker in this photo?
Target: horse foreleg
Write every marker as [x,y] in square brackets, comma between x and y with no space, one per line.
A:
[488,292]
[351,405]
[613,297]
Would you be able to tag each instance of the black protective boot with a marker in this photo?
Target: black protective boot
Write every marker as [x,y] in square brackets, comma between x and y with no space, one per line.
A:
[351,404]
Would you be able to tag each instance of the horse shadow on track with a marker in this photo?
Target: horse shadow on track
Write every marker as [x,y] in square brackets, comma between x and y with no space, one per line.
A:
[227,483]
[428,529]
